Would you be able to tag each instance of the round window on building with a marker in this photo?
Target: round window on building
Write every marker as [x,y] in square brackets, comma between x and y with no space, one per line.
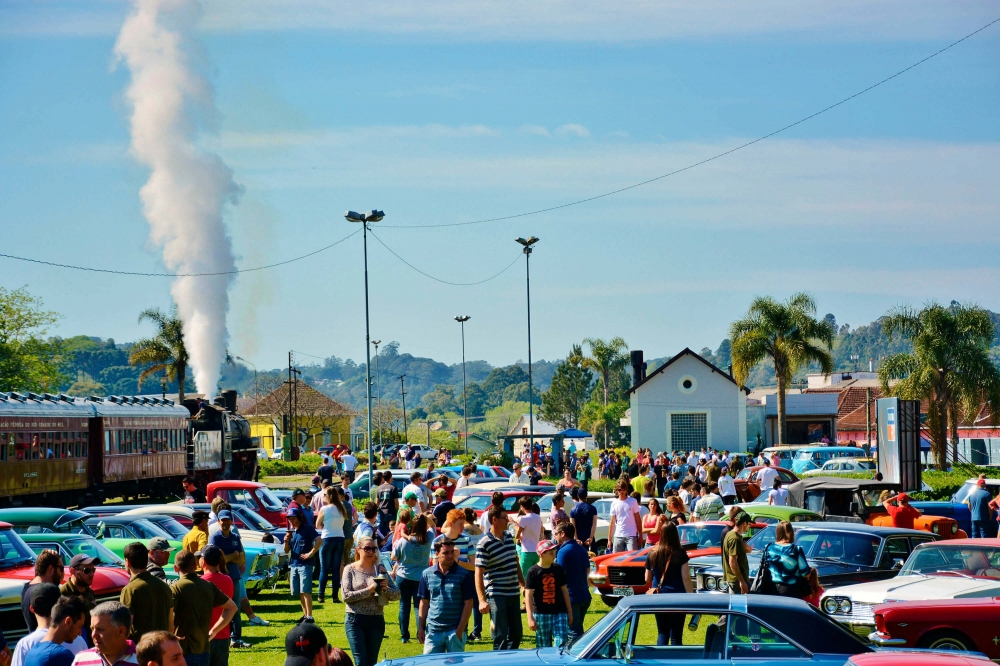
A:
[687,384]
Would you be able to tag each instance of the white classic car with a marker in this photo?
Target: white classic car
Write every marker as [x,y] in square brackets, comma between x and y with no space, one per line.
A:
[953,569]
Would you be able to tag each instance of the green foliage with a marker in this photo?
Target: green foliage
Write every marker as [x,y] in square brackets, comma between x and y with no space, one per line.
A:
[165,352]
[571,385]
[442,400]
[500,379]
[306,464]
[501,458]
[609,360]
[500,420]
[28,362]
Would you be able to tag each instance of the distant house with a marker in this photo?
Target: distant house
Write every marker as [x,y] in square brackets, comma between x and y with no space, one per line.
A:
[542,428]
[686,404]
[319,419]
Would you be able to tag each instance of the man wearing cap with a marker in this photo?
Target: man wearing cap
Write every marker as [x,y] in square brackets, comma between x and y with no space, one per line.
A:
[901,512]
[735,567]
[81,580]
[43,598]
[197,538]
[159,554]
[299,500]
[443,506]
[446,593]
[518,476]
[302,543]
[416,485]
[229,542]
[109,624]
[978,502]
[194,600]
[306,645]
[546,598]
[147,597]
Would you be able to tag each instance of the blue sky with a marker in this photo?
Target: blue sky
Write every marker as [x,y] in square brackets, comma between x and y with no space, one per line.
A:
[444,111]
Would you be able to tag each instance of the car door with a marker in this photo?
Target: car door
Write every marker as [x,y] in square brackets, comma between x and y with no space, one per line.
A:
[751,643]
[895,552]
[635,641]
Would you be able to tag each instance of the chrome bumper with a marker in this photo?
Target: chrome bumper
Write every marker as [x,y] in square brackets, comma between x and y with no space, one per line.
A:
[257,581]
[876,638]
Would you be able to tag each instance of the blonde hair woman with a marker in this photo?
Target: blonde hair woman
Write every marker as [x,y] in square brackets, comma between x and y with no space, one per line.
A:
[365,584]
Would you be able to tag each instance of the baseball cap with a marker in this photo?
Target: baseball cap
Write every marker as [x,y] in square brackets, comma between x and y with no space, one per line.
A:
[303,643]
[410,495]
[981,482]
[546,545]
[441,492]
[293,512]
[43,597]
[742,517]
[903,496]
[225,514]
[81,559]
[159,543]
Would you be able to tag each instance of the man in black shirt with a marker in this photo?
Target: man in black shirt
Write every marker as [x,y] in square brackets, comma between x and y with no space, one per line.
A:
[49,568]
[325,472]
[387,497]
[192,493]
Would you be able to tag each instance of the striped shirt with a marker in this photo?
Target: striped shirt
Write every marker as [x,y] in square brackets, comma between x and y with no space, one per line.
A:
[92,657]
[498,558]
[465,549]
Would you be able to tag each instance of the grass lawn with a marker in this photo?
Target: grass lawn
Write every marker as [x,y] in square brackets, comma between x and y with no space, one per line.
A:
[282,610]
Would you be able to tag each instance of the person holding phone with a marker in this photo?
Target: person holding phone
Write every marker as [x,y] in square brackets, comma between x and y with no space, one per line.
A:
[367,588]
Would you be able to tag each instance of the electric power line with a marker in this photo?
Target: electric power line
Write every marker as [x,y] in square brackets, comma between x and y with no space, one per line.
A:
[701,162]
[428,275]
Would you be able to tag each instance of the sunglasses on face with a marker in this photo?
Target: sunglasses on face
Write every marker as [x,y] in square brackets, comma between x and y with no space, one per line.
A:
[86,570]
[369,549]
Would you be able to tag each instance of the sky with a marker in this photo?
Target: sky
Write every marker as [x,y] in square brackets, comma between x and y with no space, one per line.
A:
[447,111]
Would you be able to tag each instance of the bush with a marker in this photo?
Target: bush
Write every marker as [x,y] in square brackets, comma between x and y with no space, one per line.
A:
[306,464]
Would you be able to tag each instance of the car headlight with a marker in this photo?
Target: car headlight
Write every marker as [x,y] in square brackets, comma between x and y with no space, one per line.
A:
[710,583]
[830,605]
[723,585]
[954,528]
[845,606]
[936,528]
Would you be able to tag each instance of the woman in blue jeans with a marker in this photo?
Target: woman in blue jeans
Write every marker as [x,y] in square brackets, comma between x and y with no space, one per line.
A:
[667,572]
[330,522]
[367,588]
[412,554]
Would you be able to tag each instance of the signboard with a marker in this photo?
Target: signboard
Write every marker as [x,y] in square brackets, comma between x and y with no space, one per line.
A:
[899,442]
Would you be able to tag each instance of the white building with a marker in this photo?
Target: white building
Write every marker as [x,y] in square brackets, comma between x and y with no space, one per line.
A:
[541,429]
[686,404]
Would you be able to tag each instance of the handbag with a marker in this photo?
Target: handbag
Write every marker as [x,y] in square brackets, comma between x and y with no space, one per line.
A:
[762,583]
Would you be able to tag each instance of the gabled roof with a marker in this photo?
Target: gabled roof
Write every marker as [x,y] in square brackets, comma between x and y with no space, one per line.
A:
[685,352]
[309,402]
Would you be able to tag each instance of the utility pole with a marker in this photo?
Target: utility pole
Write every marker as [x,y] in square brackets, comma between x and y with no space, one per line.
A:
[527,268]
[402,392]
[378,390]
[868,418]
[465,399]
[428,434]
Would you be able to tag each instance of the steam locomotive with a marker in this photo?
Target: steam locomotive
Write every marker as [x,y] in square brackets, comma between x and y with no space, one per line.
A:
[58,450]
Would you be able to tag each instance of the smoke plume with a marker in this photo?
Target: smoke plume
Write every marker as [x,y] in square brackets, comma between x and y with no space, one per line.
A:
[187,190]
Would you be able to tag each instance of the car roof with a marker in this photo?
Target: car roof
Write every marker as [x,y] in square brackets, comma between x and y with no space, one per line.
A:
[116,520]
[237,484]
[861,528]
[508,493]
[39,513]
[992,543]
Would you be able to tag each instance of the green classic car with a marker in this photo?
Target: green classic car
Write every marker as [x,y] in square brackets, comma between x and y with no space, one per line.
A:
[38,520]
[768,513]
[69,545]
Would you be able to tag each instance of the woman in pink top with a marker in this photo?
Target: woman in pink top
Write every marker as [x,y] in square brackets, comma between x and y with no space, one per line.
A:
[653,522]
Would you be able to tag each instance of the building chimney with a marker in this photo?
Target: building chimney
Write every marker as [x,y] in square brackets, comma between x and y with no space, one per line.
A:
[638,369]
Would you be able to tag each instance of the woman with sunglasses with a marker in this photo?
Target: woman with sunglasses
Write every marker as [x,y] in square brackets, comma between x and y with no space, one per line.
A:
[367,588]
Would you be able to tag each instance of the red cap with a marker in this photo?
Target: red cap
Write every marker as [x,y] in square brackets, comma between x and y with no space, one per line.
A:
[903,496]
[981,482]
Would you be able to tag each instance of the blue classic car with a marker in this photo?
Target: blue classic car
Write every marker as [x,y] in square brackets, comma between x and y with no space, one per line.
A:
[742,629]
[842,553]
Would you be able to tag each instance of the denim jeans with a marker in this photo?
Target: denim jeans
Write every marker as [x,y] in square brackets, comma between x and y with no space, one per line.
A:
[506,612]
[218,652]
[477,619]
[196,659]
[407,600]
[236,626]
[626,543]
[300,579]
[579,613]
[364,635]
[670,628]
[443,641]
[978,529]
[330,554]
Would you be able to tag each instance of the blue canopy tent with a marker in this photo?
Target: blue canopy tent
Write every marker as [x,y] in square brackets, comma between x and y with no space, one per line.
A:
[573,433]
[925,445]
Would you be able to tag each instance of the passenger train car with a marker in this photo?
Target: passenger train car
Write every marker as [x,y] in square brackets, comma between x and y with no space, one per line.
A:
[59,450]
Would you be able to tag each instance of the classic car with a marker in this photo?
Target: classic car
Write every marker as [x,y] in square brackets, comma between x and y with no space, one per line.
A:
[721,629]
[941,624]
[858,500]
[952,569]
[841,553]
[117,532]
[28,520]
[255,496]
[770,514]
[812,457]
[600,534]
[69,545]
[618,575]
[252,526]
[916,658]
[480,502]
[955,507]
[491,485]
[839,466]
[747,482]
[17,567]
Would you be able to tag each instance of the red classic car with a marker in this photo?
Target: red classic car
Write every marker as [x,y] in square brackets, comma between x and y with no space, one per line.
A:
[618,575]
[747,482]
[906,658]
[256,496]
[942,624]
[480,501]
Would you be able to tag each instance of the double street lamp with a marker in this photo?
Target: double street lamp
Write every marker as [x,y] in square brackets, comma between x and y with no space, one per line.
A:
[364,219]
[527,267]
[465,399]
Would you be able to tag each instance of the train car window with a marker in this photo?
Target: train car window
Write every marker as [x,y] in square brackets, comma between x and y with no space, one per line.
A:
[84,438]
[4,446]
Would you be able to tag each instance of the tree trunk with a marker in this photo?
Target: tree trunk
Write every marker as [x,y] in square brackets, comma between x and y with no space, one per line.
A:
[782,425]
[953,413]
[604,379]
[181,372]
[938,443]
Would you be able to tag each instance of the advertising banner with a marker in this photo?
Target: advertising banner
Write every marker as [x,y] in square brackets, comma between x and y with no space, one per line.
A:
[899,442]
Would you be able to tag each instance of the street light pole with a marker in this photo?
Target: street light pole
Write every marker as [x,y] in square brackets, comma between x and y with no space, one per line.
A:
[527,267]
[378,389]
[365,219]
[465,397]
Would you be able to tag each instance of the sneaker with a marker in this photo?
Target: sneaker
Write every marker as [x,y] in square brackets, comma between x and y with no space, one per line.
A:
[239,644]
[335,600]
[301,620]
[475,637]
[258,621]
[309,620]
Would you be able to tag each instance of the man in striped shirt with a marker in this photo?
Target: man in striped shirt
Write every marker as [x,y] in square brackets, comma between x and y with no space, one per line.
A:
[109,624]
[499,581]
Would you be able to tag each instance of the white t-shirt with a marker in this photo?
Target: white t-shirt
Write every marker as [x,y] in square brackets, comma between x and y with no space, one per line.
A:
[766,477]
[514,478]
[531,531]
[333,521]
[34,638]
[624,513]
[778,497]
[422,492]
[462,482]
[727,486]
[349,462]
[484,521]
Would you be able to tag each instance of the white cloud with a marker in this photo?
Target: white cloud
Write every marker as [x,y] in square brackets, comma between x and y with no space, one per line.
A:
[537,130]
[572,129]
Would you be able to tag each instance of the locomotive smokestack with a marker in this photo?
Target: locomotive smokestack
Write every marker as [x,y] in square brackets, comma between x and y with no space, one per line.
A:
[638,367]
[229,396]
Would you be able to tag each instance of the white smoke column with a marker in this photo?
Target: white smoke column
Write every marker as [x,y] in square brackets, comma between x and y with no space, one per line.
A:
[188,188]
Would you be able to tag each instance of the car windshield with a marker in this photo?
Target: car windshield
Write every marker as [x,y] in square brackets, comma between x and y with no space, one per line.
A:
[94,548]
[254,520]
[865,464]
[170,526]
[962,494]
[269,499]
[476,502]
[938,559]
[706,536]
[544,503]
[744,474]
[13,551]
[147,530]
[806,455]
[609,620]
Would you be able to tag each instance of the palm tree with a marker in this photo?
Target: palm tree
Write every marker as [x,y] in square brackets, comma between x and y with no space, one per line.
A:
[787,333]
[607,359]
[165,352]
[949,367]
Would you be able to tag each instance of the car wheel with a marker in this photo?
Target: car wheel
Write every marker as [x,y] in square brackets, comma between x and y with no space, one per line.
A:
[610,602]
[946,639]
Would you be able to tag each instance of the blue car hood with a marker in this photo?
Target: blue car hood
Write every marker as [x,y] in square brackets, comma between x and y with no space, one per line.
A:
[509,657]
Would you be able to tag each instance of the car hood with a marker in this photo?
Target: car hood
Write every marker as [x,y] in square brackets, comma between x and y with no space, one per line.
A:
[510,657]
[915,588]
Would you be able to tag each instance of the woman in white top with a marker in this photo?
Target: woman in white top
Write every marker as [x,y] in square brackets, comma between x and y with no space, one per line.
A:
[528,531]
[463,479]
[330,521]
